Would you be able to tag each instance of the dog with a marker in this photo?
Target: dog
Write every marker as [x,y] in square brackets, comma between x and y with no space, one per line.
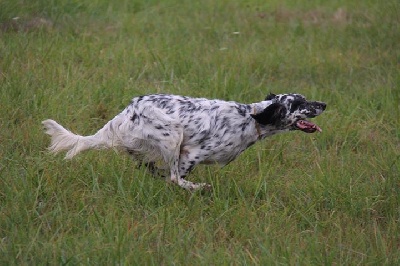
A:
[176,133]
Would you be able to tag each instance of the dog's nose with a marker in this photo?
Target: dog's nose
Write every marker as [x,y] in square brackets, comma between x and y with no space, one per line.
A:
[321,105]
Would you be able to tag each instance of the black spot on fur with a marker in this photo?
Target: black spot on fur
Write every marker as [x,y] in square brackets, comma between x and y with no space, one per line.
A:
[133,118]
[139,99]
[270,96]
[241,110]
[169,112]
[272,115]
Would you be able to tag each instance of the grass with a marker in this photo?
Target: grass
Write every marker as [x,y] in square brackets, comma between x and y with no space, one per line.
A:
[330,198]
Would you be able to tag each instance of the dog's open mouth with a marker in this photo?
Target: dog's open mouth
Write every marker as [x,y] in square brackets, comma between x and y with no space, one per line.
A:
[307,126]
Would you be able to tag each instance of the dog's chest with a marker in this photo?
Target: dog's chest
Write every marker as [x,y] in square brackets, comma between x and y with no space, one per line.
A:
[217,141]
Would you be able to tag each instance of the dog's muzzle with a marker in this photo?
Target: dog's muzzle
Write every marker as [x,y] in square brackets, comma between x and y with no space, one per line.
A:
[307,126]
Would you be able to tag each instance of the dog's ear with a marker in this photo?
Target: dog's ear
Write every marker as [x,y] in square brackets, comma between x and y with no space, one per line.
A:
[270,96]
[271,115]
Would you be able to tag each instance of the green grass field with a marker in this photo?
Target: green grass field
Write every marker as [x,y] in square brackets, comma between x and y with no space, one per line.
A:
[294,199]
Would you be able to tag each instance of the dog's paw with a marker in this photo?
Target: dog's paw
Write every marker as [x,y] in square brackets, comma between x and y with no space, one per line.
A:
[206,187]
[203,187]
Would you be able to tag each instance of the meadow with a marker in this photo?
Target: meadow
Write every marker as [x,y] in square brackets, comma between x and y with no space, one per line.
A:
[294,199]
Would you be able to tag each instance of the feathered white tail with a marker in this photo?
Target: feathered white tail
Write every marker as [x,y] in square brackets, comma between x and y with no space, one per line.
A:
[64,140]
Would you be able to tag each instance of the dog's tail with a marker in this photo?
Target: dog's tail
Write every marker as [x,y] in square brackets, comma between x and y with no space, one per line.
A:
[64,140]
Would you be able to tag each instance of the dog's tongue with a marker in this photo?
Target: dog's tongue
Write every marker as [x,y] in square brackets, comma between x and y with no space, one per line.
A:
[307,126]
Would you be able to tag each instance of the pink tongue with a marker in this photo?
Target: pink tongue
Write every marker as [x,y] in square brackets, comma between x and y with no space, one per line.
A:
[307,126]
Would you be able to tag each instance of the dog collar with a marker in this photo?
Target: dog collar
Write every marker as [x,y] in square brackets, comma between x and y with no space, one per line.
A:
[257,125]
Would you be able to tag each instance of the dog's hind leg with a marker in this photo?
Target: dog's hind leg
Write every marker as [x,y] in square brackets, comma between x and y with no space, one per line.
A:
[171,148]
[178,179]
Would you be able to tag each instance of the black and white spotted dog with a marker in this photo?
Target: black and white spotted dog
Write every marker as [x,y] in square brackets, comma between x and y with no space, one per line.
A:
[180,132]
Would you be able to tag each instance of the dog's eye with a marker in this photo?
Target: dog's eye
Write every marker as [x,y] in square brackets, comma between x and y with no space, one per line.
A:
[295,105]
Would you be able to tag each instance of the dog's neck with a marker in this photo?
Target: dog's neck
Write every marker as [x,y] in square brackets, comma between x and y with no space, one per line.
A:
[257,125]
[257,108]
[264,131]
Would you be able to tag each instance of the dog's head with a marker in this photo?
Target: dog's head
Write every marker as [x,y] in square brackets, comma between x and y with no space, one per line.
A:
[290,111]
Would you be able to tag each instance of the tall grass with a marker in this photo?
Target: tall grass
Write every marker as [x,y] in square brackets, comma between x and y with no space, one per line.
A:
[330,198]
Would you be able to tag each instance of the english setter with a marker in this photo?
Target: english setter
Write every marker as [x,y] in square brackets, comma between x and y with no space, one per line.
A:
[177,132]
